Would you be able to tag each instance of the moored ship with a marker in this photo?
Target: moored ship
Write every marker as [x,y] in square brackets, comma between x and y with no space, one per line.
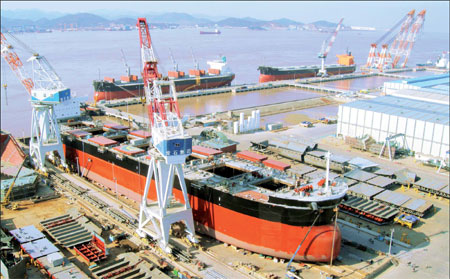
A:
[246,199]
[215,32]
[218,75]
[345,65]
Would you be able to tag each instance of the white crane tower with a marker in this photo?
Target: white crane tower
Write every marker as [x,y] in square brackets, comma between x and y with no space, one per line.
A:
[171,146]
[324,52]
[46,90]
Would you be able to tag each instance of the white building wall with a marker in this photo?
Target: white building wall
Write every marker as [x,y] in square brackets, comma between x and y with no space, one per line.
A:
[421,136]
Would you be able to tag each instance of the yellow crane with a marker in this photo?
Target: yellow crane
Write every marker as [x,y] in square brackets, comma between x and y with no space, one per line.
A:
[5,200]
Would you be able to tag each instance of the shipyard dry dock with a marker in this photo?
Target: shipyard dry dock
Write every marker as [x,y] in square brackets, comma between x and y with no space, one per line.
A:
[269,165]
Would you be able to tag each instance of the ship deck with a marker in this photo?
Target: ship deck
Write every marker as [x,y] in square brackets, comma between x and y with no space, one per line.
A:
[226,173]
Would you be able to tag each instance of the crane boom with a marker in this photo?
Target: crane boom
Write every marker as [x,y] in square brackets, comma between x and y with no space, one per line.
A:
[5,199]
[400,43]
[175,65]
[382,38]
[15,64]
[125,63]
[323,54]
[195,60]
[331,40]
[148,58]
[412,36]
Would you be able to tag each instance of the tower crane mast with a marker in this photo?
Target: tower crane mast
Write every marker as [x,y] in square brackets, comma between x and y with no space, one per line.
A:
[46,90]
[171,145]
[323,54]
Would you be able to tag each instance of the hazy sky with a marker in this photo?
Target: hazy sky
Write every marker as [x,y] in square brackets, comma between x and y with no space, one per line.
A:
[379,14]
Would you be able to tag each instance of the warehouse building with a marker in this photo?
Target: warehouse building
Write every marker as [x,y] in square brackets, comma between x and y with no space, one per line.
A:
[425,124]
[434,88]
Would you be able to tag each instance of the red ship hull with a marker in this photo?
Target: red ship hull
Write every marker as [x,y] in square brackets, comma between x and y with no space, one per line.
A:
[241,230]
[267,78]
[121,94]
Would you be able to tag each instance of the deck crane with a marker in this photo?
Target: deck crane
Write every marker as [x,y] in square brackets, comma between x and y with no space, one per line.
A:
[46,90]
[171,145]
[127,68]
[324,52]
[195,60]
[175,64]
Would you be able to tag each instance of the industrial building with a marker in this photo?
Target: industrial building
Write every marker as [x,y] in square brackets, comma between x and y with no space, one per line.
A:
[414,121]
[433,88]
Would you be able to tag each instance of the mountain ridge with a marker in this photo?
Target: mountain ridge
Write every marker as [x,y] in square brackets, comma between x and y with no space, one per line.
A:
[91,20]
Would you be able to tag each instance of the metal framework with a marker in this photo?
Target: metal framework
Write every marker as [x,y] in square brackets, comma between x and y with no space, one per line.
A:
[412,36]
[46,90]
[387,143]
[400,41]
[171,146]
[382,59]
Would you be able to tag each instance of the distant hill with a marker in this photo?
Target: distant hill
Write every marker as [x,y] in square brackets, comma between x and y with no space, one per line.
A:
[324,23]
[8,23]
[239,22]
[40,20]
[179,18]
[81,20]
[286,22]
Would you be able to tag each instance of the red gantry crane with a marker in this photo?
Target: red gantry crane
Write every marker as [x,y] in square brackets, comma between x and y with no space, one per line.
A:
[324,52]
[170,147]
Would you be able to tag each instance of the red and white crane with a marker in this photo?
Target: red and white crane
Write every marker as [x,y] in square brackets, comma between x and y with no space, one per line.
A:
[400,42]
[170,147]
[324,52]
[373,60]
[412,37]
[46,90]
[403,41]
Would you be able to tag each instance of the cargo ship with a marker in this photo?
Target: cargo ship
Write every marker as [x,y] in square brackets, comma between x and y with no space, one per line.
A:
[345,65]
[215,32]
[243,199]
[218,75]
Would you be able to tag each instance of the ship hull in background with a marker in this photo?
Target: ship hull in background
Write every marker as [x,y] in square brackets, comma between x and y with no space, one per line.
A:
[110,91]
[281,73]
[265,228]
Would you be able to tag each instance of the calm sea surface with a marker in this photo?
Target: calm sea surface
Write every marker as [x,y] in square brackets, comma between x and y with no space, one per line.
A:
[81,57]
